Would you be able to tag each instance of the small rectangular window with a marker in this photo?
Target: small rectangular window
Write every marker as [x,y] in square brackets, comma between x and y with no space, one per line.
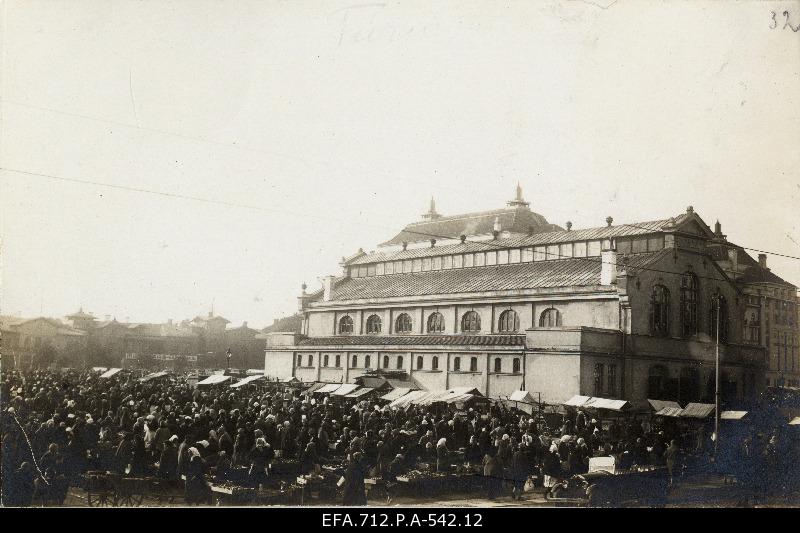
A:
[639,246]
[379,269]
[469,260]
[491,258]
[389,268]
[416,265]
[370,270]
[655,244]
[502,257]
[447,262]
[565,250]
[458,261]
[579,250]
[527,255]
[539,253]
[480,259]
[437,263]
[514,255]
[426,264]
[398,267]
[593,249]
[552,252]
[623,246]
[407,266]
[362,272]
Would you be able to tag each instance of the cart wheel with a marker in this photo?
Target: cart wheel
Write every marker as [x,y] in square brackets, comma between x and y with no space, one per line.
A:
[130,500]
[100,499]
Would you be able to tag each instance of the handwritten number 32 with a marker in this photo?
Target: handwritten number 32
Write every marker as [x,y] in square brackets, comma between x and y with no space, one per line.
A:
[785,24]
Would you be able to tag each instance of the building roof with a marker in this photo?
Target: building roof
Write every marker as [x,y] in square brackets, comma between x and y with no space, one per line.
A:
[452,340]
[539,274]
[286,324]
[756,274]
[518,219]
[80,314]
[539,239]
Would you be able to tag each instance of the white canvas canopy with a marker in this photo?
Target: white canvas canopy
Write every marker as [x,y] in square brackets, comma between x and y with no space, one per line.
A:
[154,375]
[245,381]
[732,415]
[408,398]
[576,401]
[329,388]
[214,379]
[795,421]
[360,392]
[99,369]
[110,372]
[395,394]
[521,396]
[345,389]
[673,412]
[658,405]
[606,403]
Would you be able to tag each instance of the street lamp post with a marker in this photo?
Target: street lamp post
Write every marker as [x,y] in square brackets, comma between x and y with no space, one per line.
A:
[228,355]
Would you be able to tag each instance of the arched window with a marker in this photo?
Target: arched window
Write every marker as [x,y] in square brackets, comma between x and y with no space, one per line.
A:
[338,361]
[419,362]
[310,360]
[722,303]
[355,361]
[473,364]
[403,323]
[367,361]
[399,362]
[435,363]
[325,360]
[509,322]
[457,364]
[550,318]
[385,361]
[346,324]
[498,364]
[374,324]
[659,311]
[435,323]
[517,367]
[470,322]
[689,287]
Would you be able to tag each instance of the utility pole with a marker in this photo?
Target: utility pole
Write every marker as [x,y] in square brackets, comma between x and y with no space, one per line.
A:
[716,392]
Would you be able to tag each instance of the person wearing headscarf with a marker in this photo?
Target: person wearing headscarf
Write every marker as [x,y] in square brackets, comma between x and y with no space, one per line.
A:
[168,461]
[197,489]
[521,468]
[354,491]
[442,456]
[260,460]
[493,472]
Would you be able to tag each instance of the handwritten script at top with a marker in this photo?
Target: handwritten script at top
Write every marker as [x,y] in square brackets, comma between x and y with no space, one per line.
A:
[787,25]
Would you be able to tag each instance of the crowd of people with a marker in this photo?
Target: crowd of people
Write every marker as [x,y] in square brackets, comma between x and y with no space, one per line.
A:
[57,426]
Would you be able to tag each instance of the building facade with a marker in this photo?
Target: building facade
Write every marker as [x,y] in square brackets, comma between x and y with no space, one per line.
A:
[503,300]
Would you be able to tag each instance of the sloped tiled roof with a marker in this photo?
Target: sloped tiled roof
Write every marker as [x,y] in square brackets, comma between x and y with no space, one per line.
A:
[451,340]
[538,239]
[539,274]
[286,324]
[515,220]
[756,274]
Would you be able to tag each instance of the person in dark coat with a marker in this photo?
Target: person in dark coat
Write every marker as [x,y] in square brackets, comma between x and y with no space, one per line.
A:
[168,462]
[354,492]
[493,472]
[197,489]
[521,468]
[673,459]
[260,459]
[442,456]
[20,488]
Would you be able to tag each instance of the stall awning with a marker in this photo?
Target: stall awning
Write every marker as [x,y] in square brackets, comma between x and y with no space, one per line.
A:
[732,415]
[99,369]
[521,396]
[154,375]
[395,394]
[360,392]
[315,387]
[795,421]
[576,401]
[673,412]
[245,381]
[345,389]
[327,389]
[214,379]
[697,410]
[110,372]
[658,405]
[606,403]
[408,398]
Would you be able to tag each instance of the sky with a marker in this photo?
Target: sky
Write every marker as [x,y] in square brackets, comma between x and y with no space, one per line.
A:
[316,128]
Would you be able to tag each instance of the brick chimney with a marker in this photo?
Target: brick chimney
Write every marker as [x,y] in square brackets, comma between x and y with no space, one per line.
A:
[762,261]
[608,267]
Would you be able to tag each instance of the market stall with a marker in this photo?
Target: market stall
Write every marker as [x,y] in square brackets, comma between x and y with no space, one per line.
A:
[110,372]
[343,390]
[246,381]
[394,394]
[214,379]
[154,375]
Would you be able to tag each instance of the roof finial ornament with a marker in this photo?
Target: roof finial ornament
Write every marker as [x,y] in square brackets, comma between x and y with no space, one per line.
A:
[569,225]
[431,214]
[609,220]
[518,200]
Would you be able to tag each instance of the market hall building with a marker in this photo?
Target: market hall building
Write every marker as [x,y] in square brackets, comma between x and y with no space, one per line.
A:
[502,300]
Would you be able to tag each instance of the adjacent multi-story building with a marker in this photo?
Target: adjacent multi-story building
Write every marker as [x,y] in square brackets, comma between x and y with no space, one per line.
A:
[503,300]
